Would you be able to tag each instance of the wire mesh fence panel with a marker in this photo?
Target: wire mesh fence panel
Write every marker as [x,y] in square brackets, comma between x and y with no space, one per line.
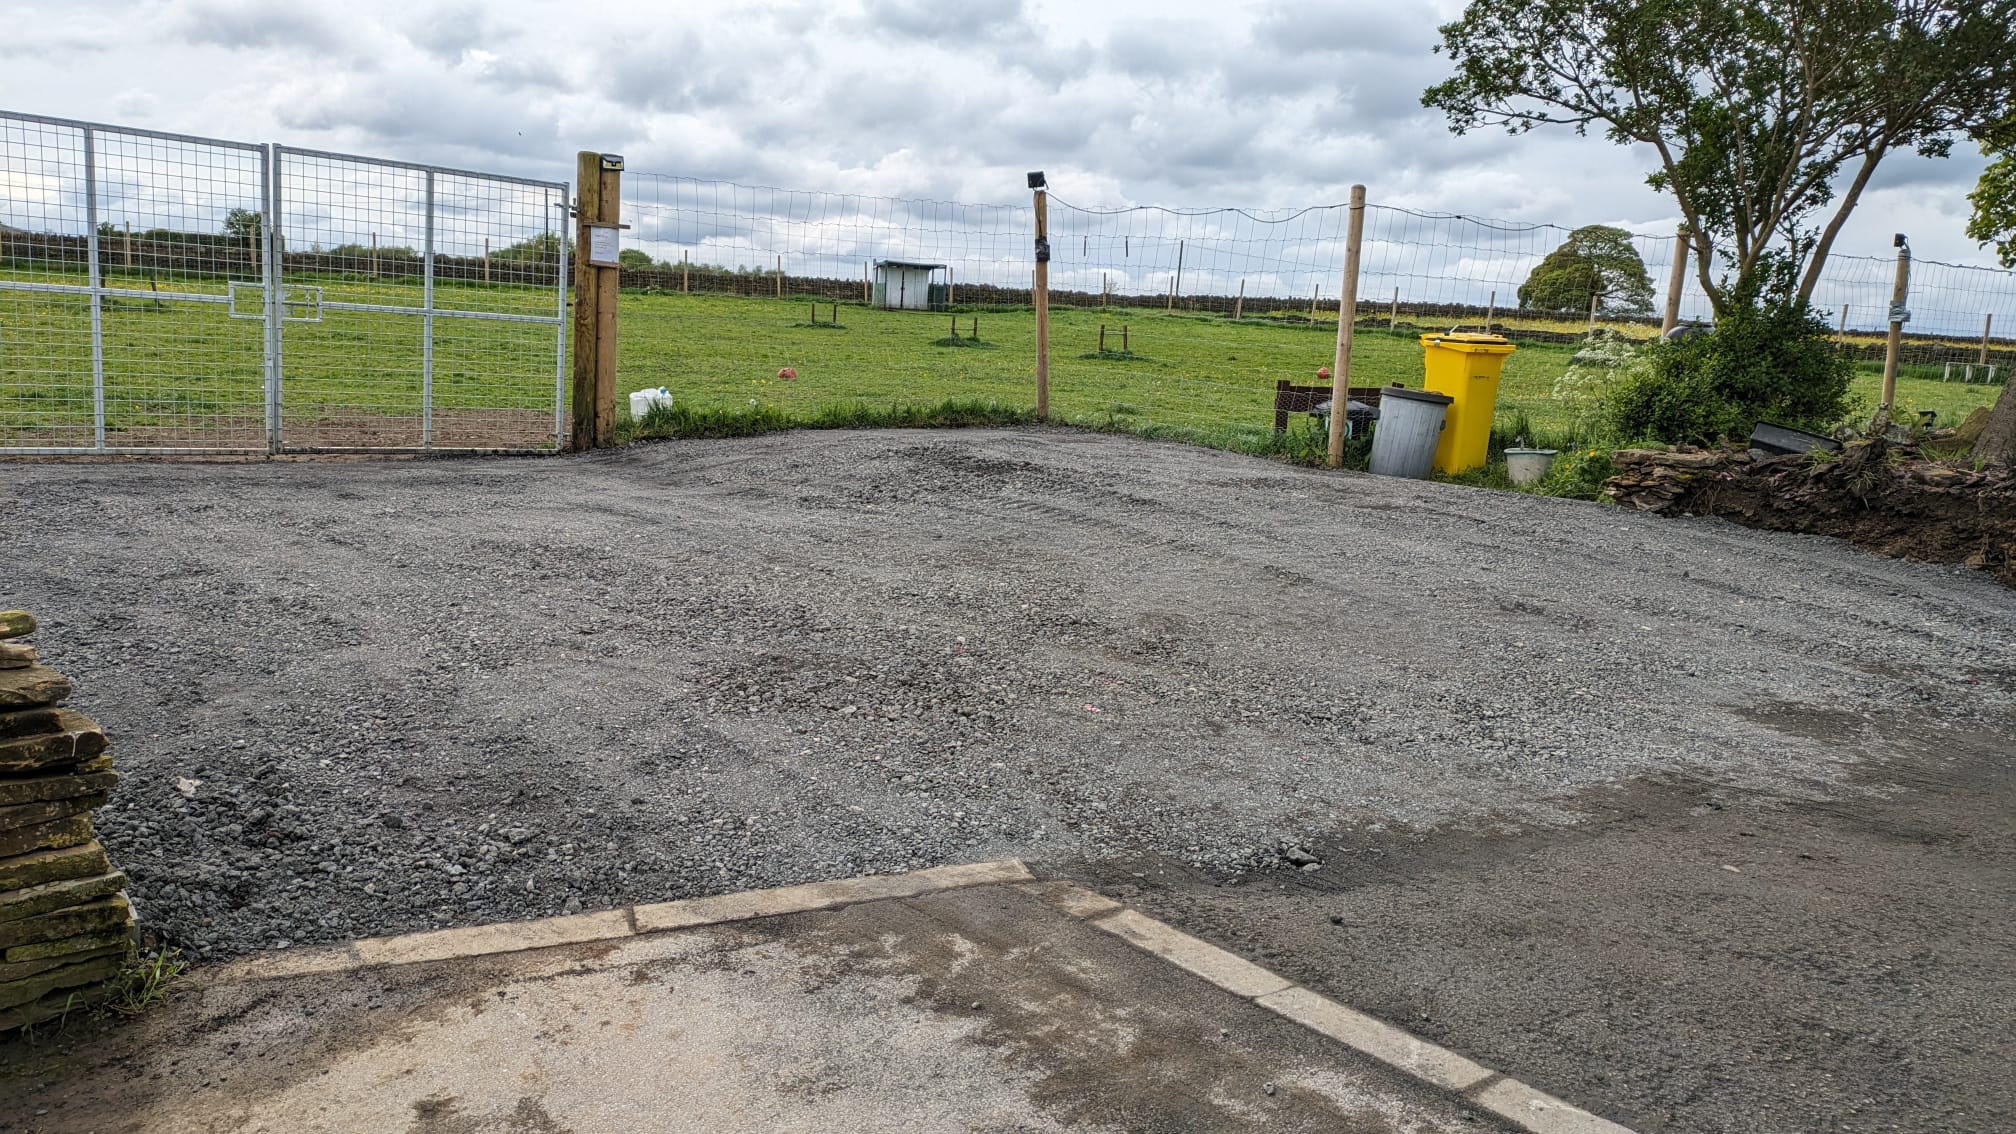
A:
[123,257]
[424,308]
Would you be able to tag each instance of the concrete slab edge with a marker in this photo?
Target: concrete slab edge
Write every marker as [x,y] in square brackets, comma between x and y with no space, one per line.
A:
[1523,1106]
[615,924]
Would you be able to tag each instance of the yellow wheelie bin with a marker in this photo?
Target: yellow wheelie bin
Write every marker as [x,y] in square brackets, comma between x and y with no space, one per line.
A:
[1465,366]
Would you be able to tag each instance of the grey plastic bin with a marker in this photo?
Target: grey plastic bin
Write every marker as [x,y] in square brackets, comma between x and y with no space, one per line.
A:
[1410,426]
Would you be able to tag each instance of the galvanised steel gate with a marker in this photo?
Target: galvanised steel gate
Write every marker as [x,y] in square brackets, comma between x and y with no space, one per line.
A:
[161,293]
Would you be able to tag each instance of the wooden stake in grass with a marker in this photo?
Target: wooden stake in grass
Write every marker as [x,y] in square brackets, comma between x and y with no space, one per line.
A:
[1593,301]
[1841,334]
[867,296]
[1313,297]
[780,277]
[1675,282]
[1239,304]
[1177,285]
[685,273]
[1102,338]
[1124,348]
[950,301]
[1347,318]
[1042,296]
[1105,291]
[1393,314]
[1490,309]
[1987,324]
[129,245]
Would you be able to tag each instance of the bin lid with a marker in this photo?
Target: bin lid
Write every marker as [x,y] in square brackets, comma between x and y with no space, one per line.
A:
[1416,395]
[1469,342]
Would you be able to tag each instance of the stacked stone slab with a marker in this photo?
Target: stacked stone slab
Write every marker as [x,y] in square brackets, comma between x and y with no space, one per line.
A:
[65,924]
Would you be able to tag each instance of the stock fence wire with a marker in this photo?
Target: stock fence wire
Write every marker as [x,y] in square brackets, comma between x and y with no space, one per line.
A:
[1184,319]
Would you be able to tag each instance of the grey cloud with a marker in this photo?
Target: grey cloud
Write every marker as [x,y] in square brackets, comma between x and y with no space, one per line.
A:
[933,19]
[258,23]
[448,32]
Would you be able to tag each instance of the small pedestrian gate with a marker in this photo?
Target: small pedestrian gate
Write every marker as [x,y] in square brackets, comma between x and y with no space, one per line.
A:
[161,293]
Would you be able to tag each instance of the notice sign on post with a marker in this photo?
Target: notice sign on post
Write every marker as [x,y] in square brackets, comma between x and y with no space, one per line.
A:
[603,245]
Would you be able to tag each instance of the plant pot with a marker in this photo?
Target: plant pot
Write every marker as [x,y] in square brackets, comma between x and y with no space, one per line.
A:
[1528,466]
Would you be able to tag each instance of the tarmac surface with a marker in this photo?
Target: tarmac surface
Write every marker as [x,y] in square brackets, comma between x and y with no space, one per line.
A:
[994,1007]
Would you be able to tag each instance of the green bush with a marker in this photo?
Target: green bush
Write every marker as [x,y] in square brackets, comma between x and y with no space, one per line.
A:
[1768,359]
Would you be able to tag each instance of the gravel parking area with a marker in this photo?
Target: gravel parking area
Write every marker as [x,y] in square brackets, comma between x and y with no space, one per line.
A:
[431,693]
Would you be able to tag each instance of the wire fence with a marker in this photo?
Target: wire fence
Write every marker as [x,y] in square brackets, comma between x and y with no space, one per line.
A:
[1188,318]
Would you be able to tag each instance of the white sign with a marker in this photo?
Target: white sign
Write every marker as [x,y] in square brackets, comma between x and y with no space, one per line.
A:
[603,245]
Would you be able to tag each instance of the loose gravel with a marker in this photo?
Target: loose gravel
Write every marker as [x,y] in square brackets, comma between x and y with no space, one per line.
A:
[413,694]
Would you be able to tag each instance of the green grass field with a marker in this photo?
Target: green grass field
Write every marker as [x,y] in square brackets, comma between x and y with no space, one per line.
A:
[1202,376]
[188,366]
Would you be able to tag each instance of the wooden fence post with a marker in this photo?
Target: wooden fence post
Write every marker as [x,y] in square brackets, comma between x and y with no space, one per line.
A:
[1594,299]
[599,189]
[1347,318]
[1900,292]
[1176,285]
[1042,296]
[780,277]
[1490,309]
[1393,314]
[1841,335]
[1987,324]
[1239,304]
[1675,281]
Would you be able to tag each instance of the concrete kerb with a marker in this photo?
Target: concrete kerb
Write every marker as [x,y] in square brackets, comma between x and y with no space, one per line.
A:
[1525,1107]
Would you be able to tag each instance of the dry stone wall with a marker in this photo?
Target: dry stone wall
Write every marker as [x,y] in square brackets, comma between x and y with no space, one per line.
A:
[65,923]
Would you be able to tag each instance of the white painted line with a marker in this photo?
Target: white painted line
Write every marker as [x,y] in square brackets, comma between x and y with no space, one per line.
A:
[1540,1112]
[485,940]
[1378,1039]
[824,895]
[1234,974]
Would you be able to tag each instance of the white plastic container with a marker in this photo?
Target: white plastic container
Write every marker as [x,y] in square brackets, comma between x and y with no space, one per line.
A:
[1529,466]
[641,402]
[1410,425]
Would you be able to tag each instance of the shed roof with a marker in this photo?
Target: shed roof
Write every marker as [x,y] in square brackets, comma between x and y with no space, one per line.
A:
[906,264]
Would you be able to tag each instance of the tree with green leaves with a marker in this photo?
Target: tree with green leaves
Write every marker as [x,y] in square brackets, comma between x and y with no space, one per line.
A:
[1596,263]
[243,224]
[1754,109]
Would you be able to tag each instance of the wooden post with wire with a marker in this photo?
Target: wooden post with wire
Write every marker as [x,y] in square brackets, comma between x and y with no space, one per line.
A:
[1490,311]
[780,277]
[1393,312]
[1239,304]
[685,273]
[1347,317]
[1675,281]
[1900,292]
[1042,294]
[1176,285]
[598,206]
[1594,299]
[1841,333]
[1987,325]
[129,258]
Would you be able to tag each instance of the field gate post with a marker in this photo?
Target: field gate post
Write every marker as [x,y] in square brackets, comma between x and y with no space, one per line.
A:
[1347,317]
[599,188]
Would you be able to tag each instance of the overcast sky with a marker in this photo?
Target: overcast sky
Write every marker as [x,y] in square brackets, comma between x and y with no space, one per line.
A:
[1228,102]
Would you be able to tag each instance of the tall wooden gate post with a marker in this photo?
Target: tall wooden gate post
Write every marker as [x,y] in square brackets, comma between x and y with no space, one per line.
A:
[599,205]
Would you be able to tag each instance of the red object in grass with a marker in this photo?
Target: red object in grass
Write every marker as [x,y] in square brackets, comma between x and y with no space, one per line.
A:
[787,372]
[1323,372]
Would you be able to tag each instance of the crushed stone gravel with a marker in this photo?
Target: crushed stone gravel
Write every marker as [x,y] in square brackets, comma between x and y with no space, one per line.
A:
[424,693]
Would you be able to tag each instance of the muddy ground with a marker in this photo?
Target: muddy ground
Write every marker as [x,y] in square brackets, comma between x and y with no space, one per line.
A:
[1510,742]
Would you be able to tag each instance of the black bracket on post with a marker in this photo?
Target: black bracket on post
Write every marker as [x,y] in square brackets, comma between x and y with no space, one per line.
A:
[1042,249]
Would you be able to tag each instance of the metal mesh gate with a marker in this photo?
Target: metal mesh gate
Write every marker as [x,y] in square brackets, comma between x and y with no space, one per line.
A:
[173,294]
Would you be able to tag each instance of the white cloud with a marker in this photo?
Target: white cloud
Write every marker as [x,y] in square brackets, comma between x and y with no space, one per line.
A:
[1267,103]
